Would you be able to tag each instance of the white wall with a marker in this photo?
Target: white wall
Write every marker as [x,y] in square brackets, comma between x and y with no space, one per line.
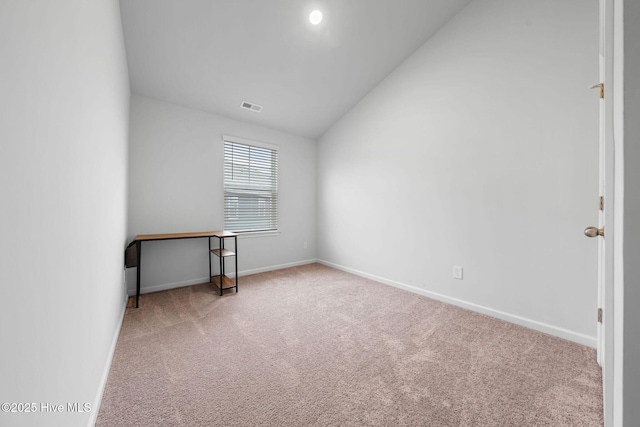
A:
[176,158]
[481,151]
[631,250]
[64,109]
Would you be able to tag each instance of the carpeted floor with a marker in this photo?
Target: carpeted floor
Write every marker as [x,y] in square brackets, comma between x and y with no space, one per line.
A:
[314,346]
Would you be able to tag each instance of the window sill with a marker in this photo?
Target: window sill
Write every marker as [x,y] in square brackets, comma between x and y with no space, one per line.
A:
[249,235]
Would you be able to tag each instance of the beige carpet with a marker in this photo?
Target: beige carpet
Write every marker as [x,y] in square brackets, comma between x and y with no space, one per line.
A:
[314,346]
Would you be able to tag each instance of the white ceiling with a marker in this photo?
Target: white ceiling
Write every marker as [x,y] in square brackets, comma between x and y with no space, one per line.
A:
[213,54]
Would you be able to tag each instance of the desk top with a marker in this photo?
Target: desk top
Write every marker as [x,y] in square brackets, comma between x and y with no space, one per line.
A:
[191,235]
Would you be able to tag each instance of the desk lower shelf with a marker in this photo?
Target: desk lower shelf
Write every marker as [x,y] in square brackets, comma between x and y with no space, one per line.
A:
[227,283]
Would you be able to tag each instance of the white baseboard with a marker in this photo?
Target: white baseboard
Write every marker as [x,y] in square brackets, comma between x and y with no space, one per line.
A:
[518,320]
[107,367]
[166,286]
[275,267]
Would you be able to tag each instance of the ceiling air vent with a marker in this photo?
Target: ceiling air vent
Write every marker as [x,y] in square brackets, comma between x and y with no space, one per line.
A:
[249,106]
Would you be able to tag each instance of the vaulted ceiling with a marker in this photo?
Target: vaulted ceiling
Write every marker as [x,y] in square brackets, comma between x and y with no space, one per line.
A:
[213,54]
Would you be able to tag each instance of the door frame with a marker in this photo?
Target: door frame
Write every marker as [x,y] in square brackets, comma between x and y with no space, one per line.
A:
[611,294]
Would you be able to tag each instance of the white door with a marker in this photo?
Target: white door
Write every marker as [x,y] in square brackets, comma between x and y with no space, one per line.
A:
[598,231]
[603,231]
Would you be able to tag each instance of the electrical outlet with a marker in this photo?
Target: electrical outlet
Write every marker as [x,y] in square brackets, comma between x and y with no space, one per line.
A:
[304,245]
[457,272]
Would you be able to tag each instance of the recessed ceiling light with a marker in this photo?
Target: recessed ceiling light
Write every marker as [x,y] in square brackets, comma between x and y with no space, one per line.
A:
[315,17]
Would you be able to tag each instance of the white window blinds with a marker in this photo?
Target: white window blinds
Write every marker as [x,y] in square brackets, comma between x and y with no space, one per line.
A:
[250,186]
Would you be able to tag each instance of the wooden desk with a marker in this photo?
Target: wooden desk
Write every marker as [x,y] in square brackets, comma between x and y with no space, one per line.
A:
[223,282]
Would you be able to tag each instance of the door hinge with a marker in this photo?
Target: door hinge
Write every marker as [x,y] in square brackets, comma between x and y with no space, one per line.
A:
[601,203]
[601,86]
[599,315]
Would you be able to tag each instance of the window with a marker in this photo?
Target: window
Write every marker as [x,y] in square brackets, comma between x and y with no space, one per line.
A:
[250,185]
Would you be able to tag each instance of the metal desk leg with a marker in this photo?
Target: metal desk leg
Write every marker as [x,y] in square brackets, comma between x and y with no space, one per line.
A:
[220,247]
[139,254]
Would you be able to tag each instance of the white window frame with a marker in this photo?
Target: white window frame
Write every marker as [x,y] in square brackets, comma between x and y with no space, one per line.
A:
[253,229]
